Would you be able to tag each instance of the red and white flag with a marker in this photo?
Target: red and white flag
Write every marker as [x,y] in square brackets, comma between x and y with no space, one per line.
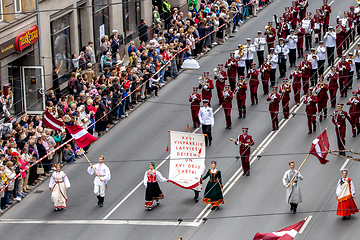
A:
[51,122]
[287,233]
[320,147]
[80,135]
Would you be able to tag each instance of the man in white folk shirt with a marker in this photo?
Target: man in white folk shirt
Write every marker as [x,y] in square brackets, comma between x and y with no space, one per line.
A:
[241,60]
[350,60]
[313,58]
[293,193]
[292,40]
[273,60]
[259,43]
[206,117]
[282,51]
[249,53]
[357,60]
[100,184]
[321,52]
[330,38]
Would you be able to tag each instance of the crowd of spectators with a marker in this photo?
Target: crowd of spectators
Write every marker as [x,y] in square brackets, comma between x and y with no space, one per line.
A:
[96,87]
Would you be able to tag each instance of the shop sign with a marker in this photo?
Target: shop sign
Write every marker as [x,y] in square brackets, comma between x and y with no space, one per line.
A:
[27,38]
[7,48]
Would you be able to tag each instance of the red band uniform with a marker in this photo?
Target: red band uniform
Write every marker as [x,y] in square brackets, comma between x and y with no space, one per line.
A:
[294,10]
[354,111]
[305,67]
[338,119]
[284,91]
[326,10]
[231,65]
[253,75]
[296,79]
[220,78]
[300,33]
[195,100]
[207,86]
[318,21]
[310,102]
[340,36]
[274,99]
[265,70]
[226,99]
[321,91]
[343,69]
[333,77]
[270,33]
[245,141]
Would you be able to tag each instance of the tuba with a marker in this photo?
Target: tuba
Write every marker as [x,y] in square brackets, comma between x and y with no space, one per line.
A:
[217,73]
[203,81]
[268,30]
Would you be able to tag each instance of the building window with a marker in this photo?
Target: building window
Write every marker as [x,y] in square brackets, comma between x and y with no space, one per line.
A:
[60,41]
[132,17]
[101,22]
[17,6]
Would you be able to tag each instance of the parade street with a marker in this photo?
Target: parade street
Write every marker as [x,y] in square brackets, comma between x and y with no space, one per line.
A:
[254,203]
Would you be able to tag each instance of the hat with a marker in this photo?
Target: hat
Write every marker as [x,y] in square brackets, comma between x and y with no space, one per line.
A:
[292,30]
[287,8]
[300,23]
[321,42]
[259,32]
[244,129]
[351,7]
[297,67]
[232,54]
[206,73]
[321,78]
[330,27]
[89,65]
[241,77]
[308,13]
[114,31]
[195,88]
[354,93]
[294,2]
[15,154]
[346,12]
[205,101]
[333,68]
[153,164]
[317,10]
[248,39]
[281,39]
[313,49]
[344,170]
[272,49]
[305,56]
[285,79]
[270,22]
[265,59]
[340,105]
[275,88]
[343,56]
[227,86]
[213,162]
[350,54]
[310,89]
[220,65]
[253,64]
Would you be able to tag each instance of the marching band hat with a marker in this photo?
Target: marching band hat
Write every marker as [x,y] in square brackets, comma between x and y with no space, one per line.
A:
[338,21]
[227,86]
[344,170]
[294,2]
[346,12]
[248,39]
[281,39]
[352,8]
[308,13]
[321,78]
[325,1]
[241,77]
[300,23]
[297,67]
[253,64]
[220,65]
[281,18]
[206,73]
[312,49]
[321,42]
[343,56]
[205,101]
[317,10]
[340,105]
[292,30]
[305,56]
[350,54]
[333,67]
[195,88]
[270,22]
[272,49]
[265,59]
[232,54]
[310,89]
[354,93]
[358,44]
[244,129]
[330,27]
[285,79]
[259,32]
[275,88]
[287,8]
[213,162]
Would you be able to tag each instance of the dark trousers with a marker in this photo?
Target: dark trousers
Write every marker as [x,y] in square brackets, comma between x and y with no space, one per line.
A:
[350,79]
[330,55]
[207,130]
[292,57]
[155,88]
[357,66]
[282,68]
[248,64]
[272,77]
[260,56]
[293,207]
[308,41]
[313,77]
[321,64]
[241,71]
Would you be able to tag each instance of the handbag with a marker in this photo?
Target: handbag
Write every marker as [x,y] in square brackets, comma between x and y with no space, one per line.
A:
[40,169]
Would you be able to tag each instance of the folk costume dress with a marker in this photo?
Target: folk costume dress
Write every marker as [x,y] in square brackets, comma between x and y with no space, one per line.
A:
[213,193]
[345,191]
[153,191]
[58,183]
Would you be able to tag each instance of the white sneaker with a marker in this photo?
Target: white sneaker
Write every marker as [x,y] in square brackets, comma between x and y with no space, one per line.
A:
[215,43]
[236,30]
[226,38]
[17,198]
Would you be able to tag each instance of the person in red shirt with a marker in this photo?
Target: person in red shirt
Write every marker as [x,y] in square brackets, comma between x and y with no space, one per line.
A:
[253,75]
[321,90]
[318,21]
[195,100]
[343,69]
[310,101]
[207,86]
[226,99]
[288,17]
[340,35]
[326,10]
[308,35]
[294,10]
[232,65]
[354,111]
[305,67]
[333,77]
[245,141]
[241,88]
[274,99]
[220,78]
[338,119]
[284,91]
[283,29]
[303,6]
[270,33]
[296,78]
[265,70]
[300,33]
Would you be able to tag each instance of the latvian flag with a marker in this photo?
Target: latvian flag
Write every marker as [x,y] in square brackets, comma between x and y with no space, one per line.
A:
[51,122]
[287,233]
[320,147]
[80,135]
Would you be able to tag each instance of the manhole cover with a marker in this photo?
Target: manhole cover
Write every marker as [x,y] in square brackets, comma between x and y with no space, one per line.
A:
[38,191]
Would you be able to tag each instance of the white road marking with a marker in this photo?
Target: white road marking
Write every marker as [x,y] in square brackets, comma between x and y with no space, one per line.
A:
[98,222]
[140,183]
[331,2]
[305,224]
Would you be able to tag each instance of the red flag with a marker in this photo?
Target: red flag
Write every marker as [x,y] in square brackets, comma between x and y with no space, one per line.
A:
[287,233]
[51,122]
[80,135]
[320,146]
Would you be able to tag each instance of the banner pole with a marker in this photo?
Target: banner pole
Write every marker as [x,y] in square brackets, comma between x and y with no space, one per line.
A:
[92,167]
[298,170]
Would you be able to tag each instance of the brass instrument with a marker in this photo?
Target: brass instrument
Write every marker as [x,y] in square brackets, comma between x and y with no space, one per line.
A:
[193,97]
[217,73]
[338,30]
[302,4]
[259,44]
[297,31]
[203,82]
[225,94]
[240,84]
[314,56]
[357,52]
[351,59]
[272,97]
[268,30]
[241,52]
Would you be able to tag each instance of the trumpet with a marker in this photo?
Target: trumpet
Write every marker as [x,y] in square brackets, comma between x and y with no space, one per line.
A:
[226,94]
[273,97]
[240,84]
[338,30]
[259,45]
[203,81]
[193,97]
[241,53]
[217,73]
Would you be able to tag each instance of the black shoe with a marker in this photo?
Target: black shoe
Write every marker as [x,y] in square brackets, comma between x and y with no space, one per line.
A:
[333,106]
[209,143]
[215,208]
[244,116]
[229,127]
[59,209]
[56,209]
[239,116]
[220,103]
[274,129]
[354,135]
[277,128]
[9,203]
[149,209]
[196,200]
[252,103]
[310,132]
[294,212]
[320,120]
[248,173]
[345,94]
[256,102]
[244,174]
[286,117]
[158,203]
[206,144]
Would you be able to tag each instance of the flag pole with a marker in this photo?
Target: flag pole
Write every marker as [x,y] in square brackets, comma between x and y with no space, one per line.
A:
[92,166]
[298,170]
[188,128]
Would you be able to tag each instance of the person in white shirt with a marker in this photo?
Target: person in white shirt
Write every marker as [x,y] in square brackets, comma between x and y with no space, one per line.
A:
[345,194]
[206,117]
[350,60]
[282,51]
[241,60]
[330,38]
[249,53]
[260,43]
[292,40]
[321,52]
[357,60]
[103,176]
[313,58]
[153,191]
[273,60]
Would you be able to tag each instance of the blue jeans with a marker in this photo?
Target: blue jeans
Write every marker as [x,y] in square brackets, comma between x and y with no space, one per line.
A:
[15,187]
[7,193]
[243,13]
[122,109]
[116,111]
[161,73]
[71,158]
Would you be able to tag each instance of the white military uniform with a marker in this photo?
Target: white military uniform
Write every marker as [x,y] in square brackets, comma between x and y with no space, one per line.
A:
[321,52]
[249,51]
[314,62]
[357,55]
[206,116]
[283,48]
[330,39]
[105,175]
[260,41]
[293,193]
[241,61]
[273,59]
[292,40]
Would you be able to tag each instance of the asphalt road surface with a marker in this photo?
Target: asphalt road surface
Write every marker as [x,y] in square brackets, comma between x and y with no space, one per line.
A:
[252,204]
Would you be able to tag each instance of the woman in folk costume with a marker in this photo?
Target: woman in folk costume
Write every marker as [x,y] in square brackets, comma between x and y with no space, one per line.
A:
[293,193]
[153,191]
[345,193]
[59,183]
[213,191]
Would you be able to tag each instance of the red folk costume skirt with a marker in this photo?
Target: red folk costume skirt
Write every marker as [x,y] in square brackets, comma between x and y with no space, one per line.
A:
[347,207]
[153,192]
